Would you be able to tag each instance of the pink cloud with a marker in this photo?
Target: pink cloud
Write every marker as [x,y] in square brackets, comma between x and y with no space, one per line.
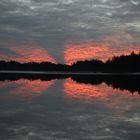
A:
[111,46]
[26,52]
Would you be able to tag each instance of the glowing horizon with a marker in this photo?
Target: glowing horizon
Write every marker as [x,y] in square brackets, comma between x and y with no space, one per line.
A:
[93,50]
[27,52]
[31,52]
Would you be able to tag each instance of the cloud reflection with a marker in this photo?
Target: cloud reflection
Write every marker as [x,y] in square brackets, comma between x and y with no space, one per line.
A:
[81,91]
[26,88]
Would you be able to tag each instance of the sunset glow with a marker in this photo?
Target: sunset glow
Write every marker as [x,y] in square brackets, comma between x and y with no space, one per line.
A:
[28,89]
[27,52]
[70,69]
[81,91]
[97,50]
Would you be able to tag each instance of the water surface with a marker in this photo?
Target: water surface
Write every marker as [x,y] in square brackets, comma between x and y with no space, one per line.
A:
[67,110]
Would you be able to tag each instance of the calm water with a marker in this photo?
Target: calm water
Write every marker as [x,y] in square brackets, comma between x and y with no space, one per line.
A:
[67,110]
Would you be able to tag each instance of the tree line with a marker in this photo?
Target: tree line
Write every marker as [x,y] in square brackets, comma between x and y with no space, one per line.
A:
[121,64]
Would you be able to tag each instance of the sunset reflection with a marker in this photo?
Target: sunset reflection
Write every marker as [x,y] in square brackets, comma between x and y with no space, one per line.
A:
[81,91]
[97,50]
[26,88]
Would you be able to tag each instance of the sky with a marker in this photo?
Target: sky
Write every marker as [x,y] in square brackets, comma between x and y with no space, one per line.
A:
[66,31]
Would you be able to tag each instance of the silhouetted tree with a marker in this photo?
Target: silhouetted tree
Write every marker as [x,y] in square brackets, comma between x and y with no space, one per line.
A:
[118,64]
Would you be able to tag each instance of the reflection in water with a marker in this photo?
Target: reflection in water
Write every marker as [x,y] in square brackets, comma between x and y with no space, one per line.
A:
[26,88]
[87,91]
[129,82]
[125,82]
[33,88]
[91,111]
[97,50]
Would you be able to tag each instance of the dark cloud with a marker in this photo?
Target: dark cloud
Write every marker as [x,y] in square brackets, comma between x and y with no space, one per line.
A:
[53,23]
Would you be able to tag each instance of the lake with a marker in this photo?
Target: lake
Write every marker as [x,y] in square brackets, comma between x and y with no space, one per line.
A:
[68,109]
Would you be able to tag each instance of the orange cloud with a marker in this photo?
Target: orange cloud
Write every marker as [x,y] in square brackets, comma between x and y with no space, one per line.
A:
[98,50]
[27,52]
[84,51]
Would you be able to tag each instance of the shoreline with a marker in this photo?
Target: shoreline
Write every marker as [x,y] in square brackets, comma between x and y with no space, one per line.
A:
[66,73]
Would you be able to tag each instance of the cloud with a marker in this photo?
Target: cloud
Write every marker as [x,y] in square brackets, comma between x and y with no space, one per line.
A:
[103,50]
[52,23]
[26,52]
[134,2]
[84,51]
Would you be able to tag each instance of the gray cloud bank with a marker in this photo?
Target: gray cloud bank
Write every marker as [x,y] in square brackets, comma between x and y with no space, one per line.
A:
[53,23]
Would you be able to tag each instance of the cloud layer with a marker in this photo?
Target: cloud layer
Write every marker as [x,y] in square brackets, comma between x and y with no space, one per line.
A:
[54,23]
